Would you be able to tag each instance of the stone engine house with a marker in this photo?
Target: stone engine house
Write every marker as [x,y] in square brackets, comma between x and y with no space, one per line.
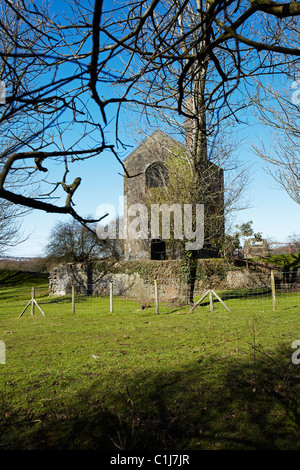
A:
[149,163]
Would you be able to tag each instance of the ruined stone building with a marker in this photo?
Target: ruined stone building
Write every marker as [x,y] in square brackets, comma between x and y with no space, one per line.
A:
[149,161]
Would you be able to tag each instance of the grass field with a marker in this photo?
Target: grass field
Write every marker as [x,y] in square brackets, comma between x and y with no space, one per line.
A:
[175,381]
[288,260]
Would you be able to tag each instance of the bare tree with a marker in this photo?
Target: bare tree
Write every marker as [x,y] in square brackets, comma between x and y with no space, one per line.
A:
[73,242]
[10,226]
[48,121]
[185,77]
[279,112]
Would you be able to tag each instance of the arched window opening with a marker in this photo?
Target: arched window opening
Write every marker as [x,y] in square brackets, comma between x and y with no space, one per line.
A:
[157,175]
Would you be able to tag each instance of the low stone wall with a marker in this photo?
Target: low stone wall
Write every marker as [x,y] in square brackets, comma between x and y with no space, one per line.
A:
[243,279]
[136,279]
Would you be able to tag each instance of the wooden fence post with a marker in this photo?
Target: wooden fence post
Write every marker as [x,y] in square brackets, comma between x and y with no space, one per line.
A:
[32,301]
[156,297]
[111,297]
[211,303]
[273,290]
[210,293]
[73,299]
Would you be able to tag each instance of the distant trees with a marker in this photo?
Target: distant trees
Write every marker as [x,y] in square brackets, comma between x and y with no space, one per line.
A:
[73,242]
[10,225]
[233,241]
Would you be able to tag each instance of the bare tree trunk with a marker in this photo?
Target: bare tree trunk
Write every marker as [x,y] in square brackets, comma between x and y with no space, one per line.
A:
[198,148]
[188,276]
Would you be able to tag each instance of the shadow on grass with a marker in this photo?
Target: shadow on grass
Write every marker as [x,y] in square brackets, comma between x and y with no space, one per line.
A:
[213,403]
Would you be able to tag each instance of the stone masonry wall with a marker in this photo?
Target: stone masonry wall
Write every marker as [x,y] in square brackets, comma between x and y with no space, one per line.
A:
[136,279]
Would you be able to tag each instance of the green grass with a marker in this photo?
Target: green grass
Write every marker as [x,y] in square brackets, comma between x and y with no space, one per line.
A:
[288,260]
[20,278]
[135,380]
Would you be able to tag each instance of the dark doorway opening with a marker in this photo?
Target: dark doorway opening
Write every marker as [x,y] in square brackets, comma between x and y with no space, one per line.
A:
[158,249]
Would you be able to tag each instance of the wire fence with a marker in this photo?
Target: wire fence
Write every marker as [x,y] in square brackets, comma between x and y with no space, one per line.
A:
[158,297]
[170,297]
